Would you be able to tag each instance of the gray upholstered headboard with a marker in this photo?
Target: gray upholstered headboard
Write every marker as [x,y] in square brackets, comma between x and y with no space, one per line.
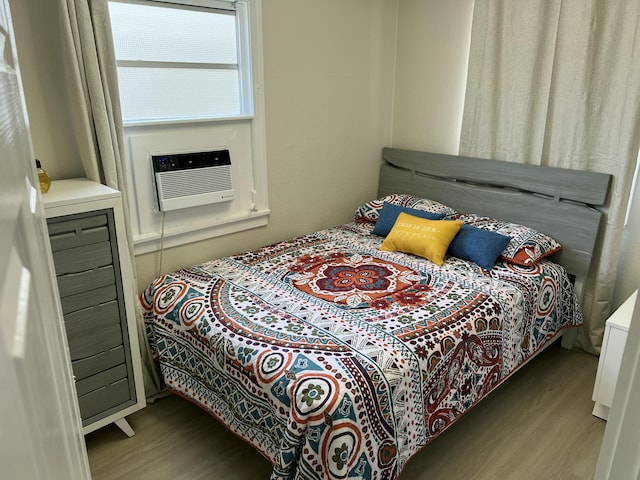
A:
[556,201]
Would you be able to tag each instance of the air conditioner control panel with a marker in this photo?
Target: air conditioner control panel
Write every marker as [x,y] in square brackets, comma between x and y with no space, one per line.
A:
[184,161]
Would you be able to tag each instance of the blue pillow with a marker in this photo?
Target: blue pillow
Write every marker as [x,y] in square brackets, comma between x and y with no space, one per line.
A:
[480,246]
[390,212]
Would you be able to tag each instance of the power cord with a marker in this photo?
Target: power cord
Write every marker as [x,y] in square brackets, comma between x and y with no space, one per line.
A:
[161,245]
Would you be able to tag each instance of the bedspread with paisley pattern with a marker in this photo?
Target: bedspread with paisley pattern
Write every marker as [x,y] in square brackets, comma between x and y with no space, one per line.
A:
[338,360]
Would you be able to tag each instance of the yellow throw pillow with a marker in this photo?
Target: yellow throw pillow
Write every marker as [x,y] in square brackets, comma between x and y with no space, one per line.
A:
[419,236]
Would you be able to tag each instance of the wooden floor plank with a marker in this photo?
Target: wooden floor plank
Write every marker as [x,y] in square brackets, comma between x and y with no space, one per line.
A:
[536,426]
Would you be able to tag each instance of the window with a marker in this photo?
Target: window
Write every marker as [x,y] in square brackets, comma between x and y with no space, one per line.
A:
[190,80]
[181,61]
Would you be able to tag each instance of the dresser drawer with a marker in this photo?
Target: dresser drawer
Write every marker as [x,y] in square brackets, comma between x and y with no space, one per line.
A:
[78,231]
[73,283]
[86,300]
[105,398]
[106,359]
[93,330]
[101,380]
[80,259]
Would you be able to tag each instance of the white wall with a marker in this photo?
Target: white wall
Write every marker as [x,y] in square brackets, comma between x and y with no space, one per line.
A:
[333,70]
[628,279]
[328,83]
[431,73]
[41,63]
[328,86]
[431,70]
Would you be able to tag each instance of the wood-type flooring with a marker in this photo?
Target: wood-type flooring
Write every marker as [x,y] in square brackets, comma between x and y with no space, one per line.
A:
[537,426]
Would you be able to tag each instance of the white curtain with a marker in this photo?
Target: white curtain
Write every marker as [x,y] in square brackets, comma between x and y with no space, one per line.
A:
[557,83]
[95,107]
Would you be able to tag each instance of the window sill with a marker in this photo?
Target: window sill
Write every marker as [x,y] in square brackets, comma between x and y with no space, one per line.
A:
[188,121]
[152,242]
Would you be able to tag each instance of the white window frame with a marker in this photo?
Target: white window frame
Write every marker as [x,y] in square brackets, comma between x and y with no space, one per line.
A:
[153,230]
[244,48]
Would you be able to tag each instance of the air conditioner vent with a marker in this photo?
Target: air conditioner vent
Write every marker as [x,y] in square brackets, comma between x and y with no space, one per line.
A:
[187,179]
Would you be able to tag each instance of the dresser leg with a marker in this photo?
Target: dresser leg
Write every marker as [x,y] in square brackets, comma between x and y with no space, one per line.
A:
[125,427]
[600,411]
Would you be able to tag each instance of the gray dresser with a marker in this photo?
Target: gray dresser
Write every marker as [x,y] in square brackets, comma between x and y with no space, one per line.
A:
[93,271]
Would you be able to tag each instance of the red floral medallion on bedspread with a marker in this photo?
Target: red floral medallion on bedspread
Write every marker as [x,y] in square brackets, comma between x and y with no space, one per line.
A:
[338,360]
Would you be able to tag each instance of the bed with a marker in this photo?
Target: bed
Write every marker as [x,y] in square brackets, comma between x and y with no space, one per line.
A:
[339,355]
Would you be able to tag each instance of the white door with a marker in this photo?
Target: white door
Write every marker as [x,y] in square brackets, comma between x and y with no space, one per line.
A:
[40,427]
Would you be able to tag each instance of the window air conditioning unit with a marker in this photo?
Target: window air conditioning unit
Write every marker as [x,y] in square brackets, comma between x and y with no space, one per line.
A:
[187,179]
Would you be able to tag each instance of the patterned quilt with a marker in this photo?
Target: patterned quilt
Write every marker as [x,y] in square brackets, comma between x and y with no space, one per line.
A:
[337,360]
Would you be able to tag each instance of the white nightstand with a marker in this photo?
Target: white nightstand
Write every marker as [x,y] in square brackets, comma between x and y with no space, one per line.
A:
[615,338]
